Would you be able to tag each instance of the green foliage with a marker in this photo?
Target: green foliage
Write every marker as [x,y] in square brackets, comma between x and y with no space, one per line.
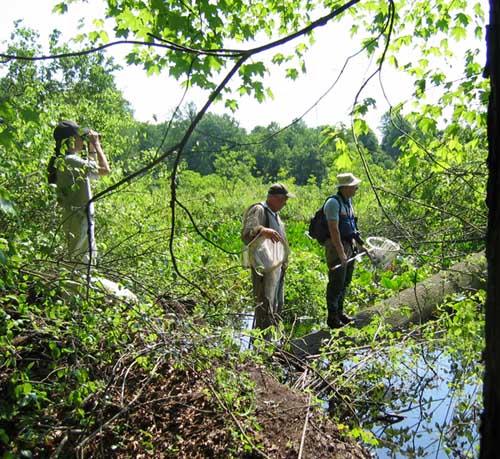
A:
[395,129]
[34,97]
[272,153]
[423,186]
[206,27]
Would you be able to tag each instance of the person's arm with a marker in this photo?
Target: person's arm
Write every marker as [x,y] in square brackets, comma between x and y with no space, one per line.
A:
[96,152]
[271,234]
[251,224]
[333,226]
[254,225]
[332,214]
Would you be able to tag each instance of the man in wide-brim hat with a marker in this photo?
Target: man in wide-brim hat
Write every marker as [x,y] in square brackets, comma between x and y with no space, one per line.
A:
[343,243]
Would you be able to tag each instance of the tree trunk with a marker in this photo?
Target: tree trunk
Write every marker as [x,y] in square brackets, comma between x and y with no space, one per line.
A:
[417,304]
[490,421]
[412,305]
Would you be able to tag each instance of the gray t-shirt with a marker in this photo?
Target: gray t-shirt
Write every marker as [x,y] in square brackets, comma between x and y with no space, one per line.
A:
[331,209]
[73,185]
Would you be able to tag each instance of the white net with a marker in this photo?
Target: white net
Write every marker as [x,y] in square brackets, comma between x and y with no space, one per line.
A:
[264,255]
[382,250]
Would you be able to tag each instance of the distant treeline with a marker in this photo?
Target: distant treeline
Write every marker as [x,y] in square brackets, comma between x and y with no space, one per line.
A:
[219,145]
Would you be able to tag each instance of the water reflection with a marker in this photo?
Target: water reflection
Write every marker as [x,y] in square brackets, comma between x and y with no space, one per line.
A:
[420,399]
[440,400]
[242,338]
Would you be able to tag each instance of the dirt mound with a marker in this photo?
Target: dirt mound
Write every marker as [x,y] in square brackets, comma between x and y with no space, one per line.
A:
[282,414]
[151,402]
[181,414]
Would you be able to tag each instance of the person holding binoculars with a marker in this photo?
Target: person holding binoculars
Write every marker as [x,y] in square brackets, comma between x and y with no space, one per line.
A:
[78,158]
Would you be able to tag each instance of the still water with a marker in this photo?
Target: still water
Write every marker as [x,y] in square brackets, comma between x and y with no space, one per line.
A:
[432,399]
[431,410]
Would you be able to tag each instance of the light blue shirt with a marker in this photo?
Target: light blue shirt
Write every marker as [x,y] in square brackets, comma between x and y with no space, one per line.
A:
[334,206]
[331,209]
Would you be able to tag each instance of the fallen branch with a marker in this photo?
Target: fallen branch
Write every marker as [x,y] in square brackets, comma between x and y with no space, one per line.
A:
[302,440]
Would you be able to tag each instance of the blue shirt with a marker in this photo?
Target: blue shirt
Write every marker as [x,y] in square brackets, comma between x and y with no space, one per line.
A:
[340,209]
[331,209]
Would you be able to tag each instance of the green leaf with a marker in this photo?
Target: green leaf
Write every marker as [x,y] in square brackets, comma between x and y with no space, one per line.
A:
[392,60]
[4,244]
[360,127]
[213,63]
[463,19]
[458,33]
[279,58]
[427,125]
[442,24]
[232,104]
[386,282]
[6,205]
[6,138]
[4,437]
[257,68]
[60,8]
[30,114]
[292,73]
[23,389]
[343,161]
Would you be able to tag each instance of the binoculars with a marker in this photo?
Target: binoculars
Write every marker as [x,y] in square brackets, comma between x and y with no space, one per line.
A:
[86,133]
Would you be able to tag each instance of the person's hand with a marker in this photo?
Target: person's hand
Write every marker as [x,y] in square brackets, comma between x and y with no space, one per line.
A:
[93,137]
[342,260]
[271,234]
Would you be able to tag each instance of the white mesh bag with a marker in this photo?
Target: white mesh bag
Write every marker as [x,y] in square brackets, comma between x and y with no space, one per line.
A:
[382,250]
[264,255]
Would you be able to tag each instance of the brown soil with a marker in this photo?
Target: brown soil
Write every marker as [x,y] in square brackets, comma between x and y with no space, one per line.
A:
[282,414]
[178,416]
[169,409]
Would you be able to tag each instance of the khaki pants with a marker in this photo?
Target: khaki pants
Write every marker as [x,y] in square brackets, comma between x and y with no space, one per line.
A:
[78,233]
[269,297]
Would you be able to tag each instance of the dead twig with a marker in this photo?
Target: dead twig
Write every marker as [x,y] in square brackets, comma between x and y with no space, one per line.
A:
[304,430]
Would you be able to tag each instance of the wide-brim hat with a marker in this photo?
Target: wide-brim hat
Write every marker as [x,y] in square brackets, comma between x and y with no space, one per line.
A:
[279,189]
[347,179]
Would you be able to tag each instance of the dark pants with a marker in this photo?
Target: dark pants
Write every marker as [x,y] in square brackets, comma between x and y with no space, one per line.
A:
[338,280]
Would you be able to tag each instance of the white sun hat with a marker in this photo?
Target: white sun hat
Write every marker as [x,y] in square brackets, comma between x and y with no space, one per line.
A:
[347,179]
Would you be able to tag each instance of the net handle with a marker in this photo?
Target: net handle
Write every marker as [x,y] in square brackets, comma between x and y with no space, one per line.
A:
[355,257]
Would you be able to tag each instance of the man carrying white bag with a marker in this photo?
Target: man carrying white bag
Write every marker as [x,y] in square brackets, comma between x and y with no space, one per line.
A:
[266,253]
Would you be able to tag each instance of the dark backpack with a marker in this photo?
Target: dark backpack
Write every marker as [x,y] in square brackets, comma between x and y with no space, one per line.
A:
[318,226]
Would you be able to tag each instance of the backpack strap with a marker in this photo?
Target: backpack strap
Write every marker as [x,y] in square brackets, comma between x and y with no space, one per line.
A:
[266,210]
[349,206]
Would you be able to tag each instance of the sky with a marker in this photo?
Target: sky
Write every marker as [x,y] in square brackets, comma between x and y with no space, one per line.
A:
[155,98]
